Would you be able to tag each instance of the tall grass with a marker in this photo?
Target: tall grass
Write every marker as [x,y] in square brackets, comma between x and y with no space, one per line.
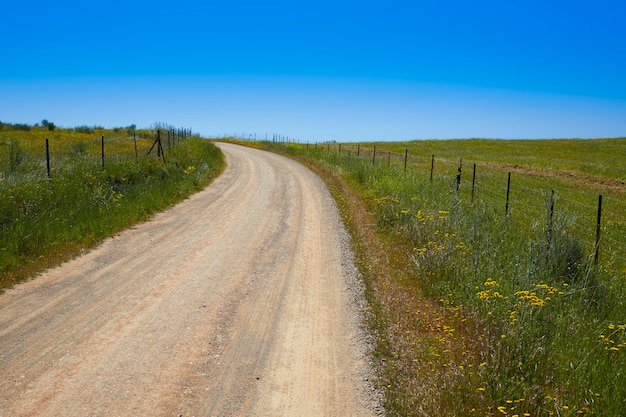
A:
[44,220]
[479,313]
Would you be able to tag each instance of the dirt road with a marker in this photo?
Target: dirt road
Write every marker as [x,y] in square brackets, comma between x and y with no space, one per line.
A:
[238,301]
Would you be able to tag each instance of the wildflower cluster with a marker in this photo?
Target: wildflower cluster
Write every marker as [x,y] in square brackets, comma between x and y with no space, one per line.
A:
[424,218]
[432,246]
[533,299]
[116,196]
[510,408]
[489,294]
[615,339]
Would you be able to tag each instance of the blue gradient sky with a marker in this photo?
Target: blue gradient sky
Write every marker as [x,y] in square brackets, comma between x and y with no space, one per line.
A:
[340,70]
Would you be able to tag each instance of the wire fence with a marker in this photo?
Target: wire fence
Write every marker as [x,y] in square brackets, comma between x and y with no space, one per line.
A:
[46,178]
[596,211]
[22,158]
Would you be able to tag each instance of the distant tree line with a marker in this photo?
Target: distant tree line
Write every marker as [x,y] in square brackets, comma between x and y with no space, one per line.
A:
[47,125]
[15,126]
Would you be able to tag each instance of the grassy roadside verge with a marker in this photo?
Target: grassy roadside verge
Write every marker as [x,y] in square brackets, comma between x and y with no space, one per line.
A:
[475,314]
[45,221]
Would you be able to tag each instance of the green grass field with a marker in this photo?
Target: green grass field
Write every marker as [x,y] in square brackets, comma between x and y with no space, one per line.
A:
[44,220]
[480,312]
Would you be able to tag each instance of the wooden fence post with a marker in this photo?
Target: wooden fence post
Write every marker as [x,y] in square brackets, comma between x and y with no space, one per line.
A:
[406,155]
[157,143]
[374,156]
[102,151]
[598,231]
[473,182]
[508,189]
[48,157]
[458,176]
[161,148]
[160,151]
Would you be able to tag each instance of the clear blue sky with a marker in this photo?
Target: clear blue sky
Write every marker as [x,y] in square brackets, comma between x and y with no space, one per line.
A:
[323,70]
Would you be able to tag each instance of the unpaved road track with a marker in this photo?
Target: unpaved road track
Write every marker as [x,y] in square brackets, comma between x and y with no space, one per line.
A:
[238,301]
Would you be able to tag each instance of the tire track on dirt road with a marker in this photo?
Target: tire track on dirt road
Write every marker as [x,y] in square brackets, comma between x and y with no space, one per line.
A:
[241,300]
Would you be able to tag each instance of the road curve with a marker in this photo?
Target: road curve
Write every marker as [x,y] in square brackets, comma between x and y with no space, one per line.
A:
[238,301]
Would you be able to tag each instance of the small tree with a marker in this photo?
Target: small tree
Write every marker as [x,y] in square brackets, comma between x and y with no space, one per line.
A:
[49,125]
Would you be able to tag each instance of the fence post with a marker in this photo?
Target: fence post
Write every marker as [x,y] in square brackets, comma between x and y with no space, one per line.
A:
[473,182]
[598,231]
[102,151]
[458,176]
[159,146]
[406,155]
[508,189]
[48,157]
[374,156]
[157,143]
[358,150]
